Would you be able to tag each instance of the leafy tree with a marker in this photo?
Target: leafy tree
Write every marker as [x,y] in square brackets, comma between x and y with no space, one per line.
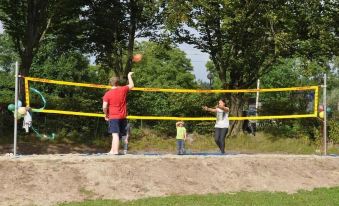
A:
[7,58]
[246,38]
[7,54]
[164,67]
[28,21]
[111,29]
[73,66]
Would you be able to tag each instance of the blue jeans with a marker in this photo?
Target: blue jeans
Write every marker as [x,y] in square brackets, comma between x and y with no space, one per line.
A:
[180,146]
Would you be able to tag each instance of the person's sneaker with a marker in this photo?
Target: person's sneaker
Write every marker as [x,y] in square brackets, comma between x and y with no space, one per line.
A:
[125,152]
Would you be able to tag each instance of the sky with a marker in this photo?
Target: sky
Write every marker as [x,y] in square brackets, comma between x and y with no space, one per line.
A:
[198,59]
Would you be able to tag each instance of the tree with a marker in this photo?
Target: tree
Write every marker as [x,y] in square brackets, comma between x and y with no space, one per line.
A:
[246,38]
[7,54]
[112,27]
[164,66]
[28,21]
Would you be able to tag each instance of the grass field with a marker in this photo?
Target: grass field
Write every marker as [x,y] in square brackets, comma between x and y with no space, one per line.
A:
[261,143]
[322,196]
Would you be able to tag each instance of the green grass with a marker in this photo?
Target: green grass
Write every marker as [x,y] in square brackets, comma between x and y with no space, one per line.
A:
[265,143]
[322,196]
[261,143]
[147,140]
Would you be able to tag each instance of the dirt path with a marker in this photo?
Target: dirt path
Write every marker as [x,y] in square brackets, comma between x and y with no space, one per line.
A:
[51,179]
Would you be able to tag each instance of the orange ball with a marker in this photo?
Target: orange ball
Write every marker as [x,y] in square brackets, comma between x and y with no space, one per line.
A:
[137,58]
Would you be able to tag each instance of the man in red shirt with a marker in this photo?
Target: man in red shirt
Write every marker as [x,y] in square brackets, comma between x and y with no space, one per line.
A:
[115,109]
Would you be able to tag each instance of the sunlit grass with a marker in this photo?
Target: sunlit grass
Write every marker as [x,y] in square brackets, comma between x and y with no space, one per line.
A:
[322,196]
[243,143]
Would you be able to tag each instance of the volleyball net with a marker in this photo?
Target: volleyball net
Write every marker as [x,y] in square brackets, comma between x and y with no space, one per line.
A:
[314,90]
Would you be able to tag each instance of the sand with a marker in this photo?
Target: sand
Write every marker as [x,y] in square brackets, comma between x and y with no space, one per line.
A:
[52,179]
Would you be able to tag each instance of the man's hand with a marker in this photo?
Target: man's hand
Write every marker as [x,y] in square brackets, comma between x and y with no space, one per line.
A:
[205,108]
[130,80]
[106,118]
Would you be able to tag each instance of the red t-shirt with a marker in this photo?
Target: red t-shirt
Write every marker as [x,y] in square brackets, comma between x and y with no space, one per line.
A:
[116,99]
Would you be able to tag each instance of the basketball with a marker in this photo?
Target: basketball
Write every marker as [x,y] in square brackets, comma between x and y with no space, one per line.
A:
[137,58]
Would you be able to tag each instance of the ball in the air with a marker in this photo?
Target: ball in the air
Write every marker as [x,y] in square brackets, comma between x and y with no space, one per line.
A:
[137,58]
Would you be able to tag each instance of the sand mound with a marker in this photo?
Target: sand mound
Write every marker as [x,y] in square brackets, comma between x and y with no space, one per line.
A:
[51,179]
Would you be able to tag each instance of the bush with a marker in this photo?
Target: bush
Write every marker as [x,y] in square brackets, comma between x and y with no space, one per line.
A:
[333,131]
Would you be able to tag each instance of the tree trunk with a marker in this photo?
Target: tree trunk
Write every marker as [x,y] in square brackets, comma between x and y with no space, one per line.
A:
[236,107]
[26,62]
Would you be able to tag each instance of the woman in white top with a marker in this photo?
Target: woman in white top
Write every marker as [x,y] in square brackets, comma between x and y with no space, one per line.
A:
[222,123]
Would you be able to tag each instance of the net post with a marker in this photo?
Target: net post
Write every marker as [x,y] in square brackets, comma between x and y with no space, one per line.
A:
[257,102]
[325,115]
[16,107]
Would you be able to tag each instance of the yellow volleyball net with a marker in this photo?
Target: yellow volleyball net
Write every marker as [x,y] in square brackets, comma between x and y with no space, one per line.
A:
[313,114]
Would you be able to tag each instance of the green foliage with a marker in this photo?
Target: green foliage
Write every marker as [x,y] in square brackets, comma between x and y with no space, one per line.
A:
[319,196]
[7,53]
[165,67]
[333,133]
[247,39]
[6,88]
[285,44]
[111,28]
[27,23]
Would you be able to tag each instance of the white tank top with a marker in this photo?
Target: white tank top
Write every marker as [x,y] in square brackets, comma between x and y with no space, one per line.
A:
[222,119]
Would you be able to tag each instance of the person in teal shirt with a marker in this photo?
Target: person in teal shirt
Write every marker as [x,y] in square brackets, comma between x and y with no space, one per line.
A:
[181,137]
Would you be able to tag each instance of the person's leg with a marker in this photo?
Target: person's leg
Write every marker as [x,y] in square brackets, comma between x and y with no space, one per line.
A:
[254,127]
[124,133]
[223,132]
[114,130]
[217,136]
[178,146]
[115,144]
[122,127]
[183,147]
[125,144]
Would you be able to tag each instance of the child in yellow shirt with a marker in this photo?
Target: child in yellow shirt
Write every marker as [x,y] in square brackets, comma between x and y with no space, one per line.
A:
[181,137]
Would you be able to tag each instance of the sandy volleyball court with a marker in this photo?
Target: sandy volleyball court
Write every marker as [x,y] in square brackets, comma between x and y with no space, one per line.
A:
[51,179]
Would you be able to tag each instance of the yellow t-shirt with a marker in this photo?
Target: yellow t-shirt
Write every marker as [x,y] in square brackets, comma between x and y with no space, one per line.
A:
[181,132]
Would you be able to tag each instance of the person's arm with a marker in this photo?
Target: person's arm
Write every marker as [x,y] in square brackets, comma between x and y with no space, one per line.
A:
[225,109]
[130,80]
[105,109]
[185,135]
[209,109]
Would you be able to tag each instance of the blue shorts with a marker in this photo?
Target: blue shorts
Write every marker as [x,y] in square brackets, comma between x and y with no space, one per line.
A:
[117,126]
